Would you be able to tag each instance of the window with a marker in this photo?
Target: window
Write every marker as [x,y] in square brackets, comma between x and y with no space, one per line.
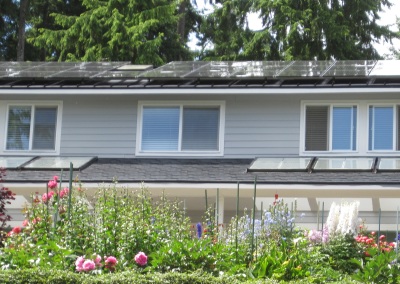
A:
[32,127]
[180,128]
[382,128]
[330,128]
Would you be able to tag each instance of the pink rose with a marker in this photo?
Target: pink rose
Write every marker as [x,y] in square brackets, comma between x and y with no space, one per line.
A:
[55,178]
[52,184]
[111,261]
[141,258]
[25,223]
[97,260]
[16,230]
[79,263]
[64,192]
[88,265]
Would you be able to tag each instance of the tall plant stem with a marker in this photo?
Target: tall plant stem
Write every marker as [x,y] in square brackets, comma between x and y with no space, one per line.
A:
[254,214]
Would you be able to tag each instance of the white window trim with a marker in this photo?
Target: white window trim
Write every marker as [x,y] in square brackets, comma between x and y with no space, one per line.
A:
[56,151]
[362,127]
[220,152]
[394,132]
[330,105]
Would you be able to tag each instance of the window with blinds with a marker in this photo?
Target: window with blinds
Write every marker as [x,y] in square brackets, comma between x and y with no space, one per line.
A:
[180,128]
[330,128]
[31,127]
[382,130]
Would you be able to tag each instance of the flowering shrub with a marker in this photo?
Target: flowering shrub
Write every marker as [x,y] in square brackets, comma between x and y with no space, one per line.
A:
[5,196]
[123,229]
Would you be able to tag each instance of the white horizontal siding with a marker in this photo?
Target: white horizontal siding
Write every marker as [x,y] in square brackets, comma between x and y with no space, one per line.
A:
[99,126]
[262,126]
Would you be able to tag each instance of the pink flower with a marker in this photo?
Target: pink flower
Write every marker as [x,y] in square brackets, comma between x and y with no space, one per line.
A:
[25,223]
[36,220]
[52,184]
[111,261]
[16,230]
[55,178]
[64,192]
[88,265]
[47,196]
[79,263]
[141,258]
[97,260]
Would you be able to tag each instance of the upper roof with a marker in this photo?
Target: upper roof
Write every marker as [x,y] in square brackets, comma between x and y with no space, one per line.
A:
[195,74]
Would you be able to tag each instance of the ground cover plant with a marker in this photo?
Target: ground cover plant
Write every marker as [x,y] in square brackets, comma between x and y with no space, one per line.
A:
[121,231]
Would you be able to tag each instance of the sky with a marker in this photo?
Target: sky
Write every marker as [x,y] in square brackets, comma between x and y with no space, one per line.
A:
[388,17]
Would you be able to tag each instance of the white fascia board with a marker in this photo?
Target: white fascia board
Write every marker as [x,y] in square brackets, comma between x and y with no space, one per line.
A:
[199,91]
[230,189]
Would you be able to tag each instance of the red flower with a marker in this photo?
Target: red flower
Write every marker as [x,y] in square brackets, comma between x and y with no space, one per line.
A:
[16,230]
[276,196]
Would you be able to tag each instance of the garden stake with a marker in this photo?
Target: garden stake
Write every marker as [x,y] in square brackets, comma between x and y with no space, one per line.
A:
[206,200]
[262,211]
[70,191]
[379,229]
[47,207]
[254,214]
[217,213]
[237,220]
[397,235]
[322,219]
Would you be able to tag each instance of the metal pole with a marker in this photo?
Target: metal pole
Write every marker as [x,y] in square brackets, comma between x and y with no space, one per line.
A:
[71,167]
[254,213]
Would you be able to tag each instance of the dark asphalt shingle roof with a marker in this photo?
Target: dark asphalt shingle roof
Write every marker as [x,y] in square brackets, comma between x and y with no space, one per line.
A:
[198,171]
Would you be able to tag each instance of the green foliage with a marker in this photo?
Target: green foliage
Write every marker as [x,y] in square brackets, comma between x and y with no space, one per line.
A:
[341,251]
[295,30]
[378,268]
[35,276]
[126,30]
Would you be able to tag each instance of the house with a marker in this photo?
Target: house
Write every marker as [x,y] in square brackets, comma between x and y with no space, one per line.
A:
[313,132]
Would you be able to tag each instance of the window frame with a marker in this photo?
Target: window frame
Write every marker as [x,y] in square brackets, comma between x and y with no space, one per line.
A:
[330,105]
[181,105]
[395,133]
[34,104]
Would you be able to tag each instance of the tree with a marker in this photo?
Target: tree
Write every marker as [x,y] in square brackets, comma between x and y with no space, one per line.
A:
[125,30]
[299,30]
[8,29]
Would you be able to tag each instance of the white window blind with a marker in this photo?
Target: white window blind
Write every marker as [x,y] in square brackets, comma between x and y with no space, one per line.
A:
[344,122]
[316,128]
[44,131]
[381,127]
[180,128]
[200,128]
[31,128]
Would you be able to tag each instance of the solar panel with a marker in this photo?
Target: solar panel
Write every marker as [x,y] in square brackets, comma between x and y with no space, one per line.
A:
[389,164]
[240,69]
[279,164]
[306,69]
[350,68]
[345,164]
[174,69]
[386,68]
[51,163]
[13,162]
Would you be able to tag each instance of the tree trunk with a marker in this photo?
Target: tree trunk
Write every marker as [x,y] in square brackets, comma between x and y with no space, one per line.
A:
[21,29]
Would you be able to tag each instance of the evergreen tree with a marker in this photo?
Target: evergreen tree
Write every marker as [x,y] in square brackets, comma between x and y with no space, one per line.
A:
[297,30]
[124,30]
[8,30]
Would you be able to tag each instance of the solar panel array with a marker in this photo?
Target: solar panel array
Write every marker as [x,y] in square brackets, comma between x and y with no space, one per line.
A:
[201,69]
[45,163]
[325,164]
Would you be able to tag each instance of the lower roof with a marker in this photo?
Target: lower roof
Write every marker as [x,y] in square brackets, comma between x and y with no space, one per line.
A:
[130,170]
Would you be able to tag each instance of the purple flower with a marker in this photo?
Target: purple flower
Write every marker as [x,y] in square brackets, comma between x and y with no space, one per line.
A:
[199,230]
